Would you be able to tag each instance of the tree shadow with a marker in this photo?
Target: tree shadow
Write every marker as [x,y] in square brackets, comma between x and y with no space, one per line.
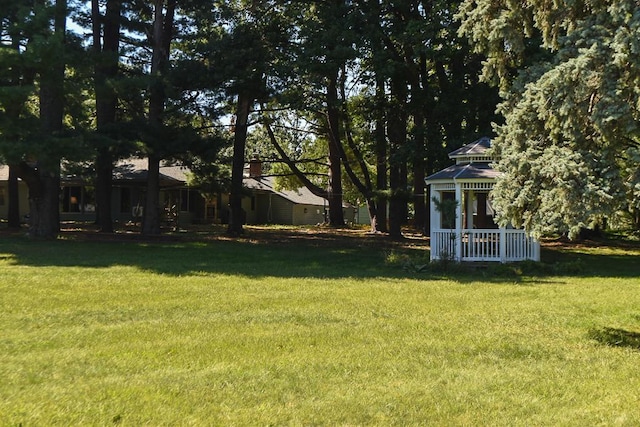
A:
[296,255]
[604,257]
[244,257]
[615,337]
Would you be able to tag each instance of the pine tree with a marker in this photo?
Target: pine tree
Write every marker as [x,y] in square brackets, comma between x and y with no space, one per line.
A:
[106,45]
[34,140]
[569,145]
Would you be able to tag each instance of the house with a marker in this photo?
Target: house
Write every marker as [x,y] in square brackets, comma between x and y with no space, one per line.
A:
[263,203]
[462,226]
[268,204]
[77,199]
[4,195]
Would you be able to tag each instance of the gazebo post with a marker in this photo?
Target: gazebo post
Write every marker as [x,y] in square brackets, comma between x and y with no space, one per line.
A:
[435,223]
[459,207]
[435,220]
[469,209]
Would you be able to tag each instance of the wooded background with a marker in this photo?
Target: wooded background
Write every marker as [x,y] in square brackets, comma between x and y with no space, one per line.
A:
[357,100]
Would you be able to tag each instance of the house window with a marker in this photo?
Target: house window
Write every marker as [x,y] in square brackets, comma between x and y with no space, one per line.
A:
[71,199]
[184,200]
[88,199]
[2,196]
[210,211]
[78,199]
[170,199]
[196,202]
[125,199]
[189,200]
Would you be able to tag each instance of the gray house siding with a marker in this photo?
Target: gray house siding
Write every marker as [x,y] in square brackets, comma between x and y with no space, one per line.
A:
[281,210]
[308,214]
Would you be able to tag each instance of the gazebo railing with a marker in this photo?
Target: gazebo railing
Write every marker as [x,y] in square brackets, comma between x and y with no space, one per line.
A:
[443,244]
[499,245]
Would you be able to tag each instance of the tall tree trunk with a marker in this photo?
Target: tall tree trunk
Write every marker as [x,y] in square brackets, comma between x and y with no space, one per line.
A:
[162,34]
[104,190]
[336,216]
[236,216]
[419,205]
[397,165]
[381,158]
[14,199]
[13,111]
[451,86]
[43,177]
[151,214]
[44,204]
[432,140]
[364,185]
[404,189]
[419,84]
[106,102]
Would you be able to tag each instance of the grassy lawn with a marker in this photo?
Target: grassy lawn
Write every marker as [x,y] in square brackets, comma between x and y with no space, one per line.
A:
[298,331]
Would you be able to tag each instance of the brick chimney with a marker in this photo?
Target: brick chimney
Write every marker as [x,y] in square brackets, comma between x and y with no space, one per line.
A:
[255,168]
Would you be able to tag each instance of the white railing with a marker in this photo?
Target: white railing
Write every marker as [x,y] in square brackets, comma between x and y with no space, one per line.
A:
[481,245]
[443,244]
[484,245]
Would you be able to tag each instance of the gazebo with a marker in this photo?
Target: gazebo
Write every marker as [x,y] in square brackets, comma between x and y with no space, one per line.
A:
[462,226]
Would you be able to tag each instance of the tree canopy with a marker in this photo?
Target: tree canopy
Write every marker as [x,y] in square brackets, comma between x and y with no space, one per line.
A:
[570,78]
[359,100]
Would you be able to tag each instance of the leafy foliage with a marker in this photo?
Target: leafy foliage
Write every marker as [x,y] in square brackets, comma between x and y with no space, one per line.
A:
[572,116]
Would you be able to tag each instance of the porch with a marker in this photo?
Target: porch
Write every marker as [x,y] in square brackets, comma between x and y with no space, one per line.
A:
[500,245]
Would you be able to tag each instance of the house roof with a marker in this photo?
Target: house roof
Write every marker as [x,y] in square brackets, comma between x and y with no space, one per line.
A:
[301,196]
[136,170]
[465,171]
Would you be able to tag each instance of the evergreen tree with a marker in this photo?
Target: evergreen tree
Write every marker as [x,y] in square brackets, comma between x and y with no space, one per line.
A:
[429,98]
[35,139]
[166,95]
[570,144]
[105,45]
[242,58]
[327,37]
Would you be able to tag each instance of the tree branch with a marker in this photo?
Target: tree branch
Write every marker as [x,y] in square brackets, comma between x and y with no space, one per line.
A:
[316,190]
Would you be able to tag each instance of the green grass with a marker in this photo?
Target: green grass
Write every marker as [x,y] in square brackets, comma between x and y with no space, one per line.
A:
[258,333]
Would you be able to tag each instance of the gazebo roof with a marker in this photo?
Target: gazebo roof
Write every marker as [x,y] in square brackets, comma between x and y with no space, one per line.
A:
[472,162]
[465,171]
[475,148]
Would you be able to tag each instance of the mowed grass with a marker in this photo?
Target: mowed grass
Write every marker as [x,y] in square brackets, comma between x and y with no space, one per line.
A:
[297,333]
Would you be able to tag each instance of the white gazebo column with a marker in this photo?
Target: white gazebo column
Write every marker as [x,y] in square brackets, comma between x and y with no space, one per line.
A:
[435,217]
[435,222]
[458,221]
[469,209]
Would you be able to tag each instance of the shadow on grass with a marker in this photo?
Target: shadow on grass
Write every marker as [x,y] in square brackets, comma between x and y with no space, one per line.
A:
[615,337]
[598,262]
[312,258]
[245,258]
